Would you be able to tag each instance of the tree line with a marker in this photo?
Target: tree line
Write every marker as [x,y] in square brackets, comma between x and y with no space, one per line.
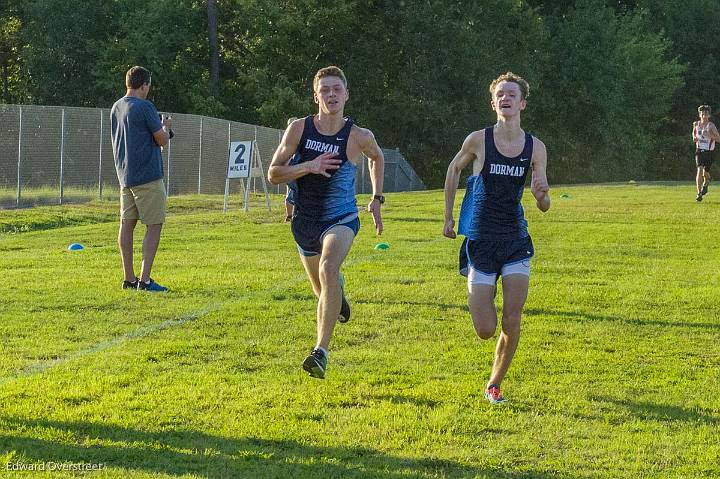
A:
[614,84]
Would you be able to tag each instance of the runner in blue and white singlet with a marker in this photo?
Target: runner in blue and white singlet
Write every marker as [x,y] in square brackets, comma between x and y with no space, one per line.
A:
[317,154]
[492,209]
[321,198]
[493,222]
[492,213]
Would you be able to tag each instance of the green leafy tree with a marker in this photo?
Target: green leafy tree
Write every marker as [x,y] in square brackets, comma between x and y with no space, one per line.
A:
[170,39]
[212,15]
[692,27]
[418,71]
[271,49]
[604,74]
[444,57]
[79,52]
[63,45]
[606,94]
[9,56]
[10,50]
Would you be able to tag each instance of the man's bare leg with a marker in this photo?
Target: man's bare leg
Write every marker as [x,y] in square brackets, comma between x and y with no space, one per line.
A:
[151,241]
[125,243]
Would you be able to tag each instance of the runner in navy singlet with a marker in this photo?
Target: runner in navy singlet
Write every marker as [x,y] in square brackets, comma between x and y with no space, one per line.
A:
[492,219]
[325,220]
[705,135]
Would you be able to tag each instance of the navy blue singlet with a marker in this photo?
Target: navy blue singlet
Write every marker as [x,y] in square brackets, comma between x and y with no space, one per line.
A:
[318,197]
[492,209]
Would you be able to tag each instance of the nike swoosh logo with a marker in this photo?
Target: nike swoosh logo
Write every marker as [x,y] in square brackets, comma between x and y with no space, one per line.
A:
[339,139]
[524,159]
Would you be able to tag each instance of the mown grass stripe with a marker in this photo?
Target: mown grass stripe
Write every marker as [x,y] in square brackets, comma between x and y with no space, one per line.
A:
[43,366]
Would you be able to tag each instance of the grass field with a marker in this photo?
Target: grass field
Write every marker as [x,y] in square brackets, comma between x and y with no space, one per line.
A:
[617,373]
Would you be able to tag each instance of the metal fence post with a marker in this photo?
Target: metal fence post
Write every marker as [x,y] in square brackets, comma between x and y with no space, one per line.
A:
[227,177]
[167,185]
[200,156]
[62,153]
[255,146]
[100,183]
[17,199]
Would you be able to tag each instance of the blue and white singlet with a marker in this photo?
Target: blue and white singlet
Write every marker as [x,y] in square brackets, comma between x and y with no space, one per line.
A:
[492,208]
[318,197]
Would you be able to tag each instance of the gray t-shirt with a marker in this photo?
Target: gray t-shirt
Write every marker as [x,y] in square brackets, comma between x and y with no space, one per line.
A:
[137,157]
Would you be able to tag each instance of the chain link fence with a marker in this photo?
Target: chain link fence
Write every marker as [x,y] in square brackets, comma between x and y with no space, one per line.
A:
[56,155]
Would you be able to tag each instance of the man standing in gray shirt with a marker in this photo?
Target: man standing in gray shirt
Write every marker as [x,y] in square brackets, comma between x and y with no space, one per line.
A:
[138,132]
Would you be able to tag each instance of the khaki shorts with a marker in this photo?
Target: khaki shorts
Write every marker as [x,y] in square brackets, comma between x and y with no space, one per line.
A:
[144,202]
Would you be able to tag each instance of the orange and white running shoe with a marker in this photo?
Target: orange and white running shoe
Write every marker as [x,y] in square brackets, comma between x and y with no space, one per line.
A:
[493,394]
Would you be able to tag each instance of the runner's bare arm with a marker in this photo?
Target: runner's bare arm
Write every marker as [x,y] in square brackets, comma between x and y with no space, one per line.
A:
[376,164]
[472,149]
[539,184]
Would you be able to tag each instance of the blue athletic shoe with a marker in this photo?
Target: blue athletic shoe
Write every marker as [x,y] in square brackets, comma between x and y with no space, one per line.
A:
[151,286]
[130,284]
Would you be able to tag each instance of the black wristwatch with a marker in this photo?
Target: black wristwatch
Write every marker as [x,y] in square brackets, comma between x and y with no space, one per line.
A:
[380,198]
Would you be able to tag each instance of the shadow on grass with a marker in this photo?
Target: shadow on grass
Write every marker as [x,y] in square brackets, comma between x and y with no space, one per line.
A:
[648,411]
[188,452]
[406,399]
[635,322]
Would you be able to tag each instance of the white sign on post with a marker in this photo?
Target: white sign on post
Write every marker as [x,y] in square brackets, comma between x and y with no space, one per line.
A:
[239,160]
[244,162]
